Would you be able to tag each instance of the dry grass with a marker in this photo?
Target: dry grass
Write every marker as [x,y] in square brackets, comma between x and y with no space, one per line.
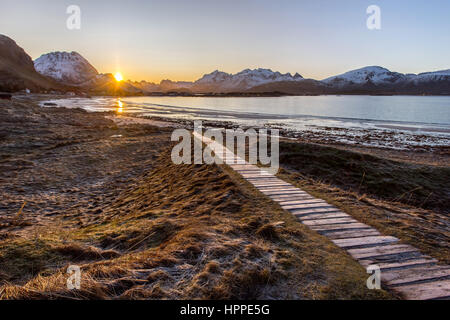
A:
[184,232]
[422,186]
[332,174]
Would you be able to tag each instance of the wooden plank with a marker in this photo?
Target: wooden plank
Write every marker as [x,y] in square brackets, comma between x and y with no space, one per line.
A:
[270,184]
[415,275]
[265,180]
[290,197]
[279,188]
[255,170]
[301,201]
[301,194]
[352,234]
[278,185]
[289,192]
[316,216]
[264,177]
[244,168]
[301,212]
[365,253]
[329,221]
[422,261]
[364,241]
[281,192]
[394,258]
[318,213]
[305,206]
[270,181]
[324,229]
[268,178]
[425,291]
[254,174]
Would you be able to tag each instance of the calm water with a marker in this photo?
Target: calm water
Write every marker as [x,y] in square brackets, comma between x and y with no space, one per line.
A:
[412,113]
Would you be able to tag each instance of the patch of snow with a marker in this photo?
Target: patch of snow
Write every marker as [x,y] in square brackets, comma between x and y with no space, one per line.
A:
[441,75]
[67,67]
[371,74]
[245,79]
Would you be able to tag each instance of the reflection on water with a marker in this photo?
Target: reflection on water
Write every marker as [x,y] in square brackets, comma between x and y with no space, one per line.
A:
[119,106]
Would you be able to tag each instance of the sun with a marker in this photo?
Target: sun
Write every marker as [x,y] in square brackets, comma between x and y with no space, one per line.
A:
[118,76]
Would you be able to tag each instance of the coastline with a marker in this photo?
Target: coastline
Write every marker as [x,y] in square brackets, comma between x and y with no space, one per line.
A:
[317,129]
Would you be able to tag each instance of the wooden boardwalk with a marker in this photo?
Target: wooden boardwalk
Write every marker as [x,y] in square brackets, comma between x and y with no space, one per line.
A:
[404,269]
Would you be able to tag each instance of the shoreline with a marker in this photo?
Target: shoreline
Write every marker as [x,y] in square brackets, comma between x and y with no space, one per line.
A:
[376,133]
[320,138]
[436,157]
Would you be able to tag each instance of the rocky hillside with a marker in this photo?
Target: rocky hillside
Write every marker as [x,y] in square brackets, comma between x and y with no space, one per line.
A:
[17,70]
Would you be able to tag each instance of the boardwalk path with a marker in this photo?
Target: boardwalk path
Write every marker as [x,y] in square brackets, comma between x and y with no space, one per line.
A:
[403,268]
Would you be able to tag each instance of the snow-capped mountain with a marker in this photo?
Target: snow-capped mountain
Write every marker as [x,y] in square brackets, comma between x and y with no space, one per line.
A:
[163,86]
[218,81]
[367,80]
[380,80]
[442,75]
[67,67]
[372,74]
[241,81]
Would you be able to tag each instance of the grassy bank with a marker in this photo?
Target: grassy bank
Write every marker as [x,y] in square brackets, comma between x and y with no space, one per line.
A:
[398,198]
[418,185]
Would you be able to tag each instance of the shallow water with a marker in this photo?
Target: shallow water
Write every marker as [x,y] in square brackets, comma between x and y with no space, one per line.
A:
[405,115]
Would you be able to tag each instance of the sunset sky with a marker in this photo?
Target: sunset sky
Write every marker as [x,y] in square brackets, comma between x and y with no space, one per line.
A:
[184,39]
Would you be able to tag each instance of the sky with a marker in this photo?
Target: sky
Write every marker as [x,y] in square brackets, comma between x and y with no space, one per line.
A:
[184,39]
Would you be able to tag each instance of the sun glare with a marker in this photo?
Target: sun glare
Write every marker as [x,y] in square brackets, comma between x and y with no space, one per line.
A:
[118,76]
[119,106]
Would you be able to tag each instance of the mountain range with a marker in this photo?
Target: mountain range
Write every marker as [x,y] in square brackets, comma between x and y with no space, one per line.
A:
[367,80]
[69,71]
